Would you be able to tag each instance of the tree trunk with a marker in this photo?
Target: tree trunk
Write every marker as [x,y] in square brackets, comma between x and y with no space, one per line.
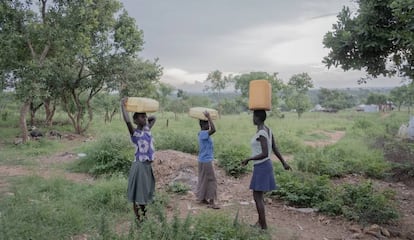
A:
[112,115]
[23,126]
[106,117]
[33,110]
[50,111]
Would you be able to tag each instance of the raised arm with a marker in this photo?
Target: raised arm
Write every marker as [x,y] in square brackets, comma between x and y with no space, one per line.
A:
[212,129]
[151,121]
[126,117]
[277,153]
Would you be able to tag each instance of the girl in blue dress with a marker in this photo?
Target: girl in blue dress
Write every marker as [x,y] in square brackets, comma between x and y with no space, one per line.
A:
[263,179]
[207,183]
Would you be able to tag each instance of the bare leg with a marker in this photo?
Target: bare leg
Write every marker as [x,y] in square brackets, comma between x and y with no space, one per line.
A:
[259,200]
[212,204]
[137,211]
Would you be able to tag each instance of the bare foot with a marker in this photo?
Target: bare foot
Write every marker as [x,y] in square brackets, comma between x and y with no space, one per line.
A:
[213,206]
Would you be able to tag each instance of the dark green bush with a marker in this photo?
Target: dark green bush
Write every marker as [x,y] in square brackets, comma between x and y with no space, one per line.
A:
[109,155]
[230,158]
[179,188]
[320,162]
[180,141]
[301,189]
[361,203]
[350,156]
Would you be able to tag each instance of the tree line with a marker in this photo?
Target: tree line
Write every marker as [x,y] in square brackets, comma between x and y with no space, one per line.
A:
[74,55]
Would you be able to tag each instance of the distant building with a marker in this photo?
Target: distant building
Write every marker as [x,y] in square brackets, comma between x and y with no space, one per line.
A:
[367,108]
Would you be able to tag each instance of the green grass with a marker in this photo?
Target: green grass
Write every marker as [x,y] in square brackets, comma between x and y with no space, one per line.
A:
[60,209]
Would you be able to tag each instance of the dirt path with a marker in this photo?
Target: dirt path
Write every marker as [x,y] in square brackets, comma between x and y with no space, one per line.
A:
[284,222]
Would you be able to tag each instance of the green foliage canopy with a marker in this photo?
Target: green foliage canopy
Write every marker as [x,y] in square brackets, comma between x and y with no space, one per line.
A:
[378,38]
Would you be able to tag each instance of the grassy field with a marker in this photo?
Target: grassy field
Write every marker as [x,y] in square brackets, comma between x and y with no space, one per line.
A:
[37,208]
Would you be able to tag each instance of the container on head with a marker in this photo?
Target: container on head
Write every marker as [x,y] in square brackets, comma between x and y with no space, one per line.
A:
[198,113]
[260,95]
[141,105]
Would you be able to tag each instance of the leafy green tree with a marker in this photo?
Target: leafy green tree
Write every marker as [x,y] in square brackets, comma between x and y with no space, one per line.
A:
[182,94]
[335,99]
[138,78]
[164,90]
[376,98]
[378,38]
[295,93]
[402,95]
[398,96]
[25,42]
[107,103]
[71,50]
[216,82]
[241,84]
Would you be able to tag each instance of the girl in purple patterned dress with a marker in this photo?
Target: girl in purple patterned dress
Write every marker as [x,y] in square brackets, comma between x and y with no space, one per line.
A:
[141,181]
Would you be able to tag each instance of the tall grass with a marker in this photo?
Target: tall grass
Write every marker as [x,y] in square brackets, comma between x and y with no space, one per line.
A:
[59,209]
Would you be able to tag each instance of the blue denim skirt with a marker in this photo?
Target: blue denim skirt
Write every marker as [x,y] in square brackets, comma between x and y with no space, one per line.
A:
[263,178]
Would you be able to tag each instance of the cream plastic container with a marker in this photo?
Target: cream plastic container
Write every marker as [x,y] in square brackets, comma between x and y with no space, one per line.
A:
[141,104]
[260,95]
[198,112]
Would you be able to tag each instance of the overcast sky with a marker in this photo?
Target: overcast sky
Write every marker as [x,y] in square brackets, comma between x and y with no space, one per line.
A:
[193,37]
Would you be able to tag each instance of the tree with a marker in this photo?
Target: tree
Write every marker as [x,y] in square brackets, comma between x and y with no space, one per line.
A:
[164,90]
[182,94]
[335,99]
[403,95]
[216,82]
[108,103]
[295,93]
[70,51]
[378,38]
[242,85]
[25,42]
[400,95]
[377,99]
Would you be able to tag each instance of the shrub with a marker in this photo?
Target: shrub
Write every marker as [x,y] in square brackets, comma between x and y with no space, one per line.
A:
[205,225]
[110,155]
[108,195]
[320,162]
[361,203]
[179,188]
[180,141]
[302,190]
[230,157]
[351,156]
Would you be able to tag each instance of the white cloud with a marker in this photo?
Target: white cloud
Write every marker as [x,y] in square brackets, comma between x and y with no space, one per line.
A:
[298,43]
[179,76]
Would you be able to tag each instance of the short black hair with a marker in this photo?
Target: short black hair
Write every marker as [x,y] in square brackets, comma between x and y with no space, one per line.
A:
[261,114]
[135,116]
[203,123]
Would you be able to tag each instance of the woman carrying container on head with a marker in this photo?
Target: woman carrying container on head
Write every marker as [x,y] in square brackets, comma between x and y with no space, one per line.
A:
[263,179]
[141,181]
[207,183]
